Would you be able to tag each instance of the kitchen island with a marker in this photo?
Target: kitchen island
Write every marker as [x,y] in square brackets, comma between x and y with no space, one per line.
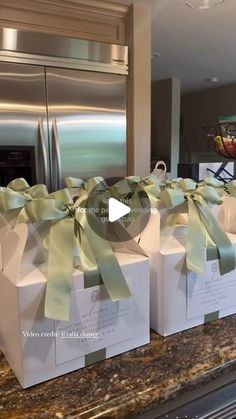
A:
[162,379]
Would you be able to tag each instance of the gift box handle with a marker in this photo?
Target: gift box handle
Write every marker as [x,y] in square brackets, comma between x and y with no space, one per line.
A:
[161,163]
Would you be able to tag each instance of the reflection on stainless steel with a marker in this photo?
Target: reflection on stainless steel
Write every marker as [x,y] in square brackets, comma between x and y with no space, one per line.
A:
[74,120]
[117,121]
[42,155]
[32,108]
[9,38]
[22,88]
[20,58]
[91,122]
[56,156]
[40,46]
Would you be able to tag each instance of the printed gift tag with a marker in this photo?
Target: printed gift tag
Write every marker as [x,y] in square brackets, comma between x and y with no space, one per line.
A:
[96,323]
[210,292]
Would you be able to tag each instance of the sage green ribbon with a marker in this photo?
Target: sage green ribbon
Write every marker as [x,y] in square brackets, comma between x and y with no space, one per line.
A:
[132,187]
[201,223]
[211,317]
[173,181]
[69,227]
[56,208]
[153,187]
[18,193]
[99,200]
[140,194]
[18,185]
[21,185]
[72,182]
[10,200]
[186,184]
[85,187]
[108,265]
[231,188]
[215,183]
[212,181]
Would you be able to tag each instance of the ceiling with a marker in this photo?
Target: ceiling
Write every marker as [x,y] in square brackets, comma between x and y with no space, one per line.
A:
[194,45]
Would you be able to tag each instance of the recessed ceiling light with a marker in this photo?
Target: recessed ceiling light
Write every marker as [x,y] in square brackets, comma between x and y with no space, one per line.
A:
[212,80]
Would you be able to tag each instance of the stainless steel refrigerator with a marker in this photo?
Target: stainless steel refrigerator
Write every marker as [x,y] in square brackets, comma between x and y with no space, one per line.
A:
[59,121]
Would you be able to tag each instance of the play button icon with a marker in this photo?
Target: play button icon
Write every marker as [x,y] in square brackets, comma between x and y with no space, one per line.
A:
[116,210]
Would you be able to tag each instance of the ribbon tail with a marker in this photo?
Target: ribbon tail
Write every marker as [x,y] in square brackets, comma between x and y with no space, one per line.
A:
[22,217]
[107,263]
[196,240]
[226,252]
[152,199]
[135,205]
[92,276]
[60,270]
[127,239]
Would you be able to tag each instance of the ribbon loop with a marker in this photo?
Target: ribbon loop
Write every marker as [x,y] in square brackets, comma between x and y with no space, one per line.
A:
[45,210]
[187,184]
[152,186]
[97,183]
[37,191]
[209,194]
[10,200]
[212,181]
[18,193]
[172,198]
[62,195]
[18,185]
[73,182]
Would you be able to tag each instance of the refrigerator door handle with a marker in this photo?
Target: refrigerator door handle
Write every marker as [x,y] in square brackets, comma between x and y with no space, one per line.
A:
[56,156]
[42,153]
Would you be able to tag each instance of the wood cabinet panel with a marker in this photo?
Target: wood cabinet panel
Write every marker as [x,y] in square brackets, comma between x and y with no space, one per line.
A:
[94,20]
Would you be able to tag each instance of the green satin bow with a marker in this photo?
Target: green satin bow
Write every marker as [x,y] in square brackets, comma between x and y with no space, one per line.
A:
[132,187]
[85,187]
[135,192]
[69,227]
[18,193]
[201,222]
[98,199]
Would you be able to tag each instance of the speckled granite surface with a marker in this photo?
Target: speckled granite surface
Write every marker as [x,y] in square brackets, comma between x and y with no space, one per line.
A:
[130,383]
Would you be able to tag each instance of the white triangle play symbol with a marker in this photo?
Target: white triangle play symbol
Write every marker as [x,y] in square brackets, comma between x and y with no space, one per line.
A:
[116,210]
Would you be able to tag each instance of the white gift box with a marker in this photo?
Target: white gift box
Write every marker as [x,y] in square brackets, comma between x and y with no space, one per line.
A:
[180,299]
[226,213]
[38,348]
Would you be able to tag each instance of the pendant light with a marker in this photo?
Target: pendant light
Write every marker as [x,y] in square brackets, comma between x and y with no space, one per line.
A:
[202,4]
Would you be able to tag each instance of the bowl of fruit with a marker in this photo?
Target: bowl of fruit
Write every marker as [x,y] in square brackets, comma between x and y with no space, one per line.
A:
[222,137]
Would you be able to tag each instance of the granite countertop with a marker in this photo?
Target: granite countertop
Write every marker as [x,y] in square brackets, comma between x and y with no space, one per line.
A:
[128,384]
